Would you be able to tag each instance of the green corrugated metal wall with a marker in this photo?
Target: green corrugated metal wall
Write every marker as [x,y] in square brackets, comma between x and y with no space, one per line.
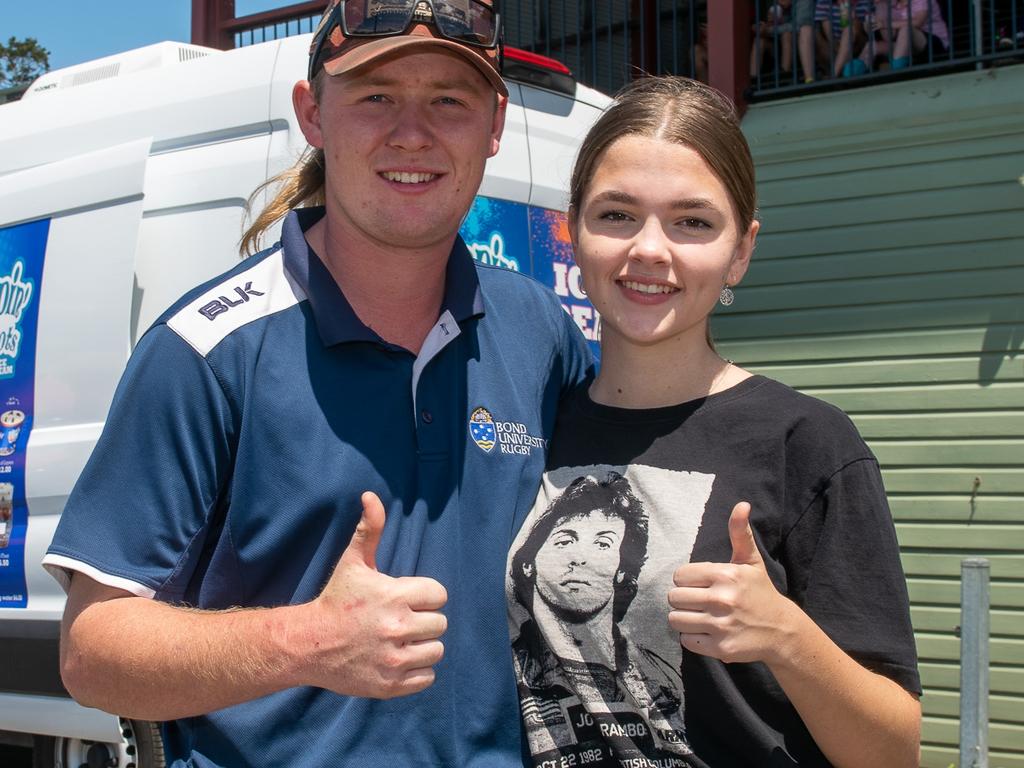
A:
[889,280]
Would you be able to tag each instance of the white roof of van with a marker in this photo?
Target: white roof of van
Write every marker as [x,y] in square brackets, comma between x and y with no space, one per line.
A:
[174,94]
[155,56]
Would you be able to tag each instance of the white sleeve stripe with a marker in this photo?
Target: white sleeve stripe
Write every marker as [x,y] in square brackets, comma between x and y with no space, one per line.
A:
[60,567]
[263,290]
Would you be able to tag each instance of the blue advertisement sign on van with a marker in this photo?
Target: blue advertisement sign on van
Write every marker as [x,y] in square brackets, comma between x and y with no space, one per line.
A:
[549,235]
[535,241]
[22,248]
[497,234]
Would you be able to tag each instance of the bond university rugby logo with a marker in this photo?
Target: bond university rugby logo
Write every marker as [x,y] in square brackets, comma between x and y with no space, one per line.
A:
[508,436]
[481,429]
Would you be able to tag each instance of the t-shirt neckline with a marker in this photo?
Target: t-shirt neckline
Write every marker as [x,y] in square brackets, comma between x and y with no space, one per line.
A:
[588,407]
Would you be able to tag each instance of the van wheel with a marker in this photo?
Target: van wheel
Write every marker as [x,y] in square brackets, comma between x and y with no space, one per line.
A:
[140,747]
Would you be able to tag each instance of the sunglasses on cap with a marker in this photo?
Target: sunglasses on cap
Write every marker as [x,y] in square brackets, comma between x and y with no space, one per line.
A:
[467,22]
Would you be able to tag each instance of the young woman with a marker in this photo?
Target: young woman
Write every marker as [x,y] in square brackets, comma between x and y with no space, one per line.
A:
[786,615]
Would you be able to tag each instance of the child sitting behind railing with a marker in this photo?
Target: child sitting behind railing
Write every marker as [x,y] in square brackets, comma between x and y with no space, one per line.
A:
[901,29]
[777,29]
[843,22]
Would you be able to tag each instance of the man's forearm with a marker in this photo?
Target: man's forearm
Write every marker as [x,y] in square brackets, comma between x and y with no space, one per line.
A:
[148,660]
[366,634]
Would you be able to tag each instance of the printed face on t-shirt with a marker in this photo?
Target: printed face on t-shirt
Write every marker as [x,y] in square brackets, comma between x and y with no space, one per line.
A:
[577,565]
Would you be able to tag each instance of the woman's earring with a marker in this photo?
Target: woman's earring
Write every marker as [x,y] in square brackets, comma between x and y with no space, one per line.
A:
[726,297]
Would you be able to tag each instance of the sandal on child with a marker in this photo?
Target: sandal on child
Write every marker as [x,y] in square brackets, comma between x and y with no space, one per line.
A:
[854,68]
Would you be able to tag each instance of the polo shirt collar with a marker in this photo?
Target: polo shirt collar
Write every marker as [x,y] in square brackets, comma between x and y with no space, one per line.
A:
[336,321]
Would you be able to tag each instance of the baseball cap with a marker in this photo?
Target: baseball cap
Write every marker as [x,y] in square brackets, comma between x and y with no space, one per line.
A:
[353,33]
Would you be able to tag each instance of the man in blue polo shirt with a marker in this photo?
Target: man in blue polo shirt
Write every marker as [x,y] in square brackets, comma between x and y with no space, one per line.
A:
[226,571]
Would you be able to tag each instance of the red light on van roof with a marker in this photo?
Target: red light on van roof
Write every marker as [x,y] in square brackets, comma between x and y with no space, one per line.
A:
[545,62]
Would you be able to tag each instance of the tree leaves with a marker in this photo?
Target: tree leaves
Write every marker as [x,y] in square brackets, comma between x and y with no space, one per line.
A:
[22,61]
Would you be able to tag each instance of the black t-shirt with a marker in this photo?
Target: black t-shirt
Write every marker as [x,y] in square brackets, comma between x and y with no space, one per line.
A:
[628,496]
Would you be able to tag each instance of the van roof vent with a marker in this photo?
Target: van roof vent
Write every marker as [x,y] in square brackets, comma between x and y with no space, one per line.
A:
[150,57]
[91,75]
[192,52]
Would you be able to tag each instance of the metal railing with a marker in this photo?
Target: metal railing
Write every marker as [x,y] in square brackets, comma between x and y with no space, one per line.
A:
[606,43]
[872,42]
[264,32]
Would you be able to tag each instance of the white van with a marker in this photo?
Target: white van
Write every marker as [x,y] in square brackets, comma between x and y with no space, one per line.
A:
[122,185]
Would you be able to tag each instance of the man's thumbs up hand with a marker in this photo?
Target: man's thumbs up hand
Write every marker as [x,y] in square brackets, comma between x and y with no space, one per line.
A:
[731,611]
[374,635]
[363,546]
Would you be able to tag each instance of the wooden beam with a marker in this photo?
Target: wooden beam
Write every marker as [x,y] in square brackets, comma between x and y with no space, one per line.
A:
[209,18]
[729,36]
[643,37]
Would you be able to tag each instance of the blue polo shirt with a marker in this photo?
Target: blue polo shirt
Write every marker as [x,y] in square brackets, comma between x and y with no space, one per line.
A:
[252,416]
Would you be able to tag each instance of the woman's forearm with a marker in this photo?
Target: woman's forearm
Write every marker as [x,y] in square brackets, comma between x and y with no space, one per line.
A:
[856,717]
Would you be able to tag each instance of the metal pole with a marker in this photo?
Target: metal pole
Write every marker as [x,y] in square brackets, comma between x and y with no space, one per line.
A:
[979,32]
[974,619]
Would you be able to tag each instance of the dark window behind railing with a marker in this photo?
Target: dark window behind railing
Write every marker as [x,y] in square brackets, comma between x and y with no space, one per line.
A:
[265,32]
[606,43]
[859,43]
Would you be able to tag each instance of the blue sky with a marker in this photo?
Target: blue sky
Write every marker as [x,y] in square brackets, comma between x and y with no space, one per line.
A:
[74,31]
